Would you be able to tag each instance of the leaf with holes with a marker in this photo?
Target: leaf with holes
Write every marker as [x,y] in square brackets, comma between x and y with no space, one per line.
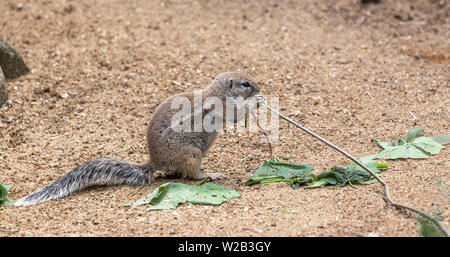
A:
[170,195]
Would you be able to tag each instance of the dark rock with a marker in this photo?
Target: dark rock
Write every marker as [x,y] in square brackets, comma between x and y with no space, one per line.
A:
[11,62]
[3,91]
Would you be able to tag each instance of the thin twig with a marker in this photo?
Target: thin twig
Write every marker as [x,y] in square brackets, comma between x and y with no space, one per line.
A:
[387,197]
[414,117]
[265,134]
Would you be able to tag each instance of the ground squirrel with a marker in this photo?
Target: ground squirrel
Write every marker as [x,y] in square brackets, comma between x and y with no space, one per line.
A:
[170,151]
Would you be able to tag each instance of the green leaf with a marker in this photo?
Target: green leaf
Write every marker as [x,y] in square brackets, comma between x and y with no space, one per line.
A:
[273,171]
[326,178]
[373,166]
[170,195]
[384,145]
[353,174]
[428,228]
[3,195]
[414,133]
[300,174]
[442,139]
[409,137]
[412,145]
[340,176]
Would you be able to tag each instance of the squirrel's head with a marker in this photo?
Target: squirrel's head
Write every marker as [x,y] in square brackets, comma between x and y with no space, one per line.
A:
[234,84]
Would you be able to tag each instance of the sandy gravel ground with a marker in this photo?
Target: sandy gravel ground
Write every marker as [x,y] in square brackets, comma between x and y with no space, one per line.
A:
[349,72]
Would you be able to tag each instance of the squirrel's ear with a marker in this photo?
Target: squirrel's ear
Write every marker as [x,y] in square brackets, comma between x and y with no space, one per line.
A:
[231,83]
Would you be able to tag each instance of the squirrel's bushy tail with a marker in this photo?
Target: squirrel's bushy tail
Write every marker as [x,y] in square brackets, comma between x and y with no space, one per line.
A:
[102,171]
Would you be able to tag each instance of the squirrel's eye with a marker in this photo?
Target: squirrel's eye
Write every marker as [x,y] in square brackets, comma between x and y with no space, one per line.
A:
[246,84]
[231,83]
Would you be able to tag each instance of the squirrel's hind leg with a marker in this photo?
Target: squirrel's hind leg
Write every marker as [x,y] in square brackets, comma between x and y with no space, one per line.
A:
[190,158]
